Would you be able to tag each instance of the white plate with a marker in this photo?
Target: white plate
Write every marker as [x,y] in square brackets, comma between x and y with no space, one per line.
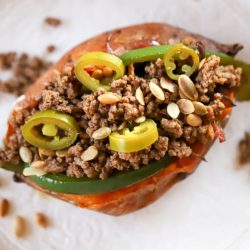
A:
[208,210]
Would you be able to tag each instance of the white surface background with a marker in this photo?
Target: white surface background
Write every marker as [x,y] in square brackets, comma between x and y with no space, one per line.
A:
[208,210]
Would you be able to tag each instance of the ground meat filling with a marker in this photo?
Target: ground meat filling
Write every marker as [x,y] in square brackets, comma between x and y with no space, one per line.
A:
[66,94]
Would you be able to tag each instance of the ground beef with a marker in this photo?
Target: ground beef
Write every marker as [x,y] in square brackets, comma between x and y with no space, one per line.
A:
[24,70]
[179,149]
[212,74]
[66,94]
[172,127]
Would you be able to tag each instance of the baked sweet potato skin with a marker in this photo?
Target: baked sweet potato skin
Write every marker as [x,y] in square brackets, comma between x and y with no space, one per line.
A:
[118,41]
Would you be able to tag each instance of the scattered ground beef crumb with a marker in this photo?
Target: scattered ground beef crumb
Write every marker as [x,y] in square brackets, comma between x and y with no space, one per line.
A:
[23,69]
[51,48]
[53,21]
[244,149]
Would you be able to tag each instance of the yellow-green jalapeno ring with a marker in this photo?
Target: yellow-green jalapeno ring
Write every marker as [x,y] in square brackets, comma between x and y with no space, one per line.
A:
[182,53]
[98,59]
[139,138]
[50,129]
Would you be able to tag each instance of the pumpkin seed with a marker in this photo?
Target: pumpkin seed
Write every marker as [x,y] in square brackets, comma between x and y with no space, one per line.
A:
[101,133]
[140,119]
[156,91]
[202,63]
[25,154]
[46,152]
[186,106]
[173,110]
[89,154]
[170,86]
[62,153]
[38,164]
[34,171]
[200,108]
[109,98]
[139,96]
[187,88]
[193,120]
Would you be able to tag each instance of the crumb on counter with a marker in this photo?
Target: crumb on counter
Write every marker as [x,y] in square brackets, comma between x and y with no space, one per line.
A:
[41,220]
[19,226]
[4,207]
[24,70]
[53,21]
[51,48]
[244,149]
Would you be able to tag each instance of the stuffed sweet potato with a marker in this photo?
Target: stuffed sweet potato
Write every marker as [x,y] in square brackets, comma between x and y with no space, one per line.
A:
[122,117]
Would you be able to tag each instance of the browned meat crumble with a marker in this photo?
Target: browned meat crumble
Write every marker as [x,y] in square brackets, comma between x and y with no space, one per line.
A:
[65,94]
[53,21]
[24,70]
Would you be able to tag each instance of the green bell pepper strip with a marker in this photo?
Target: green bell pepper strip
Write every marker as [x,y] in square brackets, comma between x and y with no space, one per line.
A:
[63,184]
[139,138]
[147,54]
[98,59]
[66,123]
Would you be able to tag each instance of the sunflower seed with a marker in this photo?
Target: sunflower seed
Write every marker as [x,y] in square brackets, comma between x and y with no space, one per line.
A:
[173,110]
[156,91]
[131,69]
[122,126]
[62,153]
[19,226]
[101,133]
[41,220]
[140,119]
[38,164]
[202,63]
[187,87]
[194,120]
[4,207]
[25,154]
[170,86]
[186,106]
[46,152]
[139,96]
[89,154]
[109,98]
[34,171]
[200,108]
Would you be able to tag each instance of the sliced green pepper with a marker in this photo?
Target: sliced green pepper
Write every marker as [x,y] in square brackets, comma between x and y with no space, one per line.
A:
[147,54]
[98,59]
[69,185]
[139,138]
[50,130]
